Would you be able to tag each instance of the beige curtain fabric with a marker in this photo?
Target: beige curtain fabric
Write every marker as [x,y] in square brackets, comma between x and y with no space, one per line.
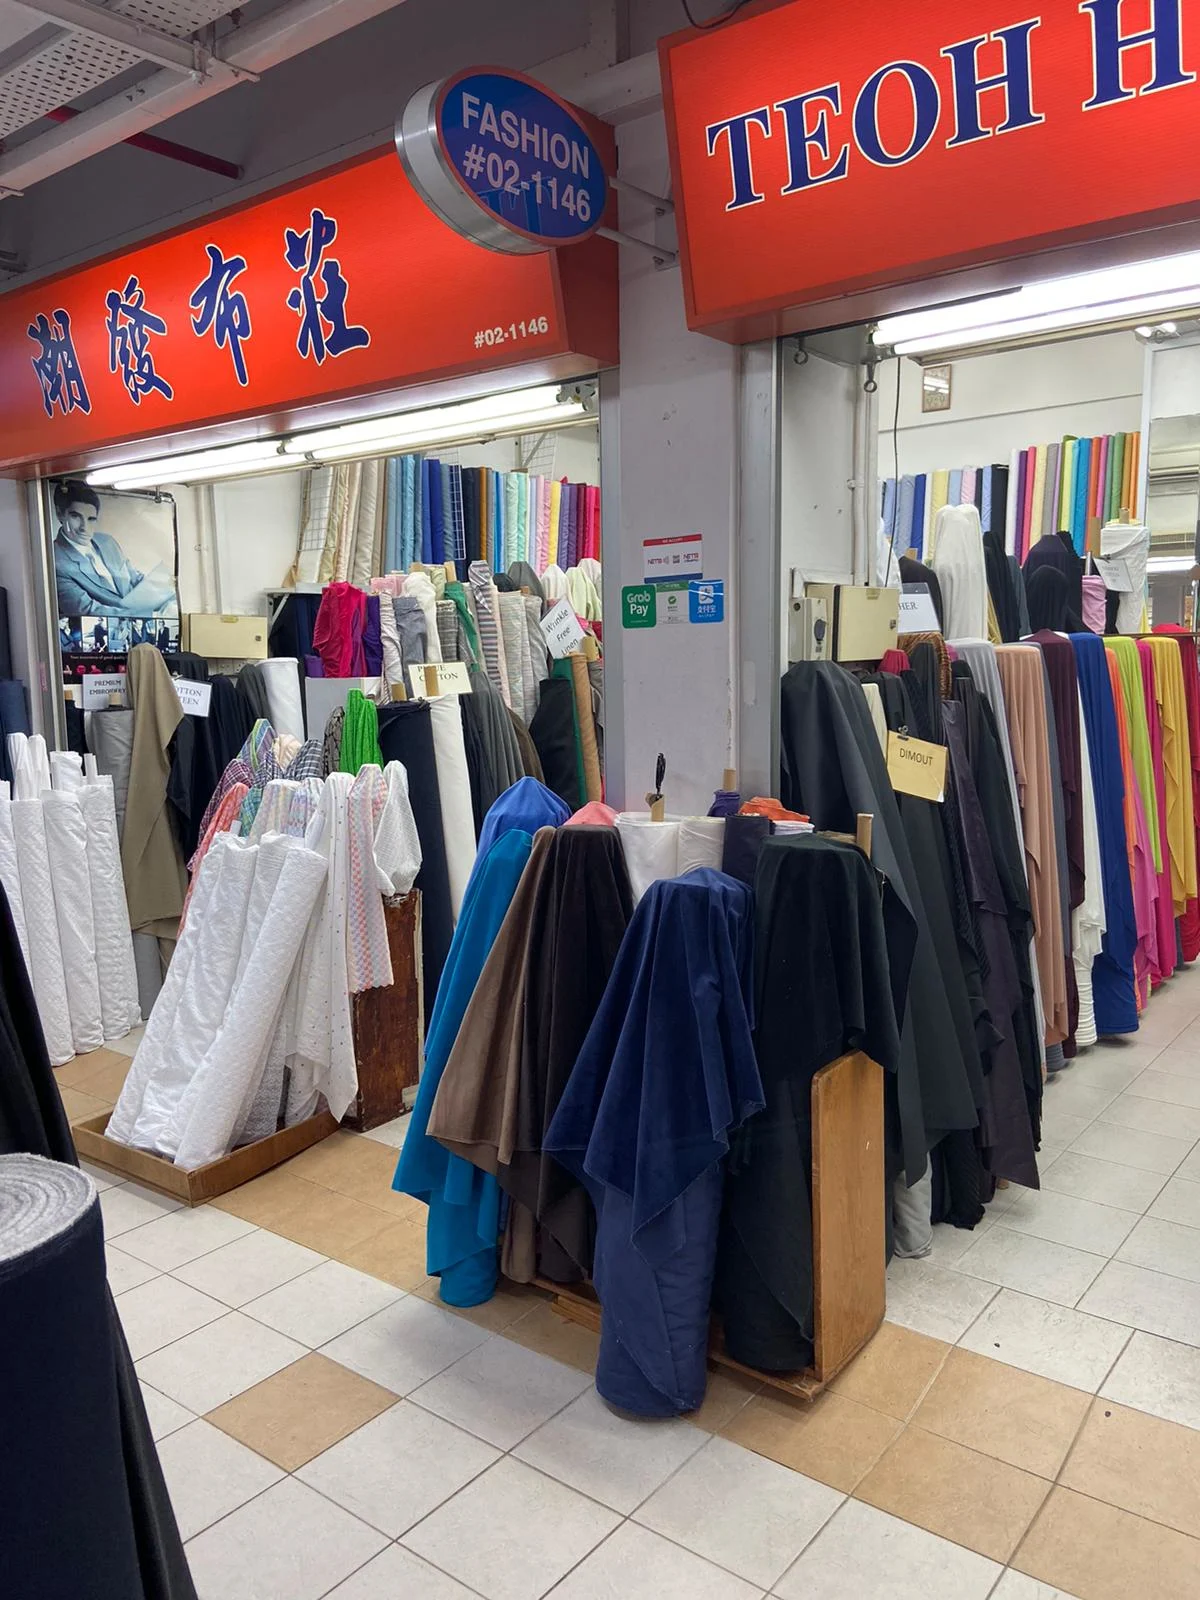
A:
[155,878]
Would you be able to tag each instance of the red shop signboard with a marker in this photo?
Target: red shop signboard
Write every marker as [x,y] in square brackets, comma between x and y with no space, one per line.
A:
[821,151]
[342,284]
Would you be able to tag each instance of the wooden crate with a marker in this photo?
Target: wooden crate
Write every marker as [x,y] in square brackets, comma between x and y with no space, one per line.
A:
[388,1023]
[849,1232]
[202,1183]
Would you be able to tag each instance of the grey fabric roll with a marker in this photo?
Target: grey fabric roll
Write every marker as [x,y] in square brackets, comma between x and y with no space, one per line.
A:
[523,575]
[496,730]
[912,1231]
[148,962]
[110,739]
[413,630]
[447,626]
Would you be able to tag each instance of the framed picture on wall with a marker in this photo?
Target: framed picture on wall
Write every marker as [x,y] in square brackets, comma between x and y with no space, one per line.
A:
[115,560]
[935,388]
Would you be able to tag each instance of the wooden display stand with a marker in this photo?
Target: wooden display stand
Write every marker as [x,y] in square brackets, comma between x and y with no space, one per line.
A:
[388,1024]
[201,1183]
[849,1244]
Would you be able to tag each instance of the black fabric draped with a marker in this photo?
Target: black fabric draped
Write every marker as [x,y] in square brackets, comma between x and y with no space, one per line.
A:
[32,1121]
[833,768]
[200,751]
[1048,596]
[916,572]
[576,924]
[822,988]
[292,630]
[406,735]
[553,733]
[1002,586]
[14,718]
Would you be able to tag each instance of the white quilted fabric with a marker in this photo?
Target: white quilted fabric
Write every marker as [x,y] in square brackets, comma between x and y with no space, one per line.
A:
[119,1006]
[10,875]
[41,927]
[66,853]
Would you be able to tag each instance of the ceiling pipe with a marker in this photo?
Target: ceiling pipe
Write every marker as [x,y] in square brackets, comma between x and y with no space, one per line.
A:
[292,29]
[158,146]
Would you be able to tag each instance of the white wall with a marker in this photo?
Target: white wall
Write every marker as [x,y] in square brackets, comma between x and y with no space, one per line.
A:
[1011,399]
[236,540]
[816,503]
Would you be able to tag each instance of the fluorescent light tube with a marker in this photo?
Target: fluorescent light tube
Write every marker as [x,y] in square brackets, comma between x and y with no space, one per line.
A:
[398,443]
[168,469]
[467,418]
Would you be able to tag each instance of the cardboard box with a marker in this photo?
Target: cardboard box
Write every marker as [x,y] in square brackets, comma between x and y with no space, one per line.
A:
[225,638]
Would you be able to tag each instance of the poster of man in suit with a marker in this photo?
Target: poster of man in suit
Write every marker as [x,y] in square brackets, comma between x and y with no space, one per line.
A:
[115,557]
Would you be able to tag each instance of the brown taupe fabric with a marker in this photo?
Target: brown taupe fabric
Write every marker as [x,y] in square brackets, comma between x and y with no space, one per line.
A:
[155,877]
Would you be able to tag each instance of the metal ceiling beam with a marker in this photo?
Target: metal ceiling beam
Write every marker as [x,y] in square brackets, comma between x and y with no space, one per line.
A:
[289,31]
[177,55]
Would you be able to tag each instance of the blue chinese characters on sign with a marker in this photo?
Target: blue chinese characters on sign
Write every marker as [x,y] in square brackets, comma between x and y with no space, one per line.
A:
[706,600]
[523,156]
[130,327]
[56,364]
[219,308]
[324,330]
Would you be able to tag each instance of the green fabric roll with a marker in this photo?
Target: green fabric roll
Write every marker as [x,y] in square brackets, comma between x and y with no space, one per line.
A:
[562,669]
[1130,663]
[360,734]
[458,593]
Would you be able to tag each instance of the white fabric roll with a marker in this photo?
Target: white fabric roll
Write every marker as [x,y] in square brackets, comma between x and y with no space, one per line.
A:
[41,927]
[701,843]
[274,808]
[875,706]
[397,842]
[454,785]
[66,852]
[20,762]
[321,1051]
[958,561]
[554,584]
[1010,526]
[40,758]
[368,958]
[282,677]
[651,850]
[226,1082]
[420,588]
[66,770]
[115,965]
[10,875]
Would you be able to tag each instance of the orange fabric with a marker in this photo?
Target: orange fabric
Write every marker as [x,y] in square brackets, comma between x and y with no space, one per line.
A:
[762,806]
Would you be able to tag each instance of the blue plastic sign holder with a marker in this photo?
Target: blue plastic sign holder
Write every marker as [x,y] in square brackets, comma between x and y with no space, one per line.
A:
[706,600]
[503,160]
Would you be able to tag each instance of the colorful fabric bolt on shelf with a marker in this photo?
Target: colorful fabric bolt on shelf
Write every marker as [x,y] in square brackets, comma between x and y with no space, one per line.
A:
[360,734]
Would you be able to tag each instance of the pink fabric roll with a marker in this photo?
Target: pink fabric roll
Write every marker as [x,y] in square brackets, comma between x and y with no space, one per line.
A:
[967,495]
[1164,906]
[1094,604]
[596,813]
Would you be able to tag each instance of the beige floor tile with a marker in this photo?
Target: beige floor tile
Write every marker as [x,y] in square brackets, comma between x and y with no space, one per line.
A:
[396,1253]
[1016,1417]
[1098,1552]
[542,1329]
[79,1106]
[955,1492]
[497,1315]
[727,1393]
[307,1213]
[107,1078]
[358,1167]
[835,1440]
[264,1199]
[894,1370]
[72,1075]
[1140,1463]
[301,1411]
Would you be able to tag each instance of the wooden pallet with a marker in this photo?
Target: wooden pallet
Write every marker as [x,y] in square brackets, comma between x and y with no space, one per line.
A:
[849,1243]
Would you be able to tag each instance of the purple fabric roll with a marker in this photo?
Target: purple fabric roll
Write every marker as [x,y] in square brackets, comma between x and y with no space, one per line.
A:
[726,803]
[314,667]
[372,638]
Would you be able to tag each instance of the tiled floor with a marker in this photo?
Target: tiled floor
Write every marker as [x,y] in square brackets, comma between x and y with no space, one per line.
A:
[1025,1426]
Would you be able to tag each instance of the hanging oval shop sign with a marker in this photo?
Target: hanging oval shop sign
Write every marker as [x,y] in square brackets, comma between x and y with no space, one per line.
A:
[503,161]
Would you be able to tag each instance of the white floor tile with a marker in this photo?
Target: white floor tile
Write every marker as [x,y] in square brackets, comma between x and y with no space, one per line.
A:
[1050,1340]
[128,1043]
[1066,1219]
[288,1544]
[1141,1298]
[1164,1246]
[501,1392]
[1031,1266]
[168,1242]
[397,1574]
[483,1535]
[935,1300]
[129,1205]
[159,1312]
[1149,1152]
[209,1475]
[950,1244]
[391,1132]
[1189,1167]
[1070,1091]
[862,1551]
[1159,1376]
[1180,1061]
[1016,1586]
[398,1468]
[249,1267]
[1106,1182]
[614,1459]
[320,1304]
[101,1176]
[225,1358]
[1179,1201]
[405,1344]
[1130,1110]
[126,1272]
[635,1564]
[1061,1128]
[166,1416]
[1107,1070]
[1169,1087]
[743,1512]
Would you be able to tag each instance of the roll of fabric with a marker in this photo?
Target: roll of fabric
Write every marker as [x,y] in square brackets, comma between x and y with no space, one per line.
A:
[962,573]
[67,855]
[651,849]
[285,707]
[14,718]
[406,735]
[41,928]
[10,875]
[155,880]
[636,1125]
[119,1007]
[701,843]
[454,791]
[593,781]
[360,734]
[1169,691]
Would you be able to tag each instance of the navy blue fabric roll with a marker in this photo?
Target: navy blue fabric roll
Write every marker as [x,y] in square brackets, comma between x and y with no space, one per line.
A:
[14,718]
[666,1072]
[1113,994]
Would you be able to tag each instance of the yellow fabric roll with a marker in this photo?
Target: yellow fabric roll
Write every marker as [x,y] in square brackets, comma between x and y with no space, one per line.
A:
[1177,769]
[555,515]
[1038,510]
[1066,486]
